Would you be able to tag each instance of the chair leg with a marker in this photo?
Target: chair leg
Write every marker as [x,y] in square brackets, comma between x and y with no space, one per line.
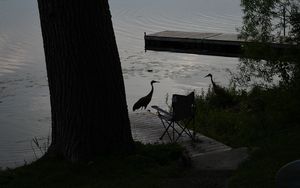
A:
[173,131]
[175,134]
[181,132]
[166,130]
[184,130]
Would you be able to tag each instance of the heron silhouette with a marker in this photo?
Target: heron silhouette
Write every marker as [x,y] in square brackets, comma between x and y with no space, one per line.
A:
[217,89]
[224,98]
[144,101]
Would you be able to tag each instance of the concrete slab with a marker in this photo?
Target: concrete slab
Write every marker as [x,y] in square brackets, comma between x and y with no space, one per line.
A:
[224,160]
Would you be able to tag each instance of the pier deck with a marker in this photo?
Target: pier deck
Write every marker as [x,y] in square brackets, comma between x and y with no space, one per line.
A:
[205,154]
[147,128]
[218,44]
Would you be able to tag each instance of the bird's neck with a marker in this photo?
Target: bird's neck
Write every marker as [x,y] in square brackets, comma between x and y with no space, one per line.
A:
[213,83]
[152,88]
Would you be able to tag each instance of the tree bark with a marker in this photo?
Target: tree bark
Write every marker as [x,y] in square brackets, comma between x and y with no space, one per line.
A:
[87,94]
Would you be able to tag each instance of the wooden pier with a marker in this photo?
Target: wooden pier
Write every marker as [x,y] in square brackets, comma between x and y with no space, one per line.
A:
[147,128]
[218,44]
[205,153]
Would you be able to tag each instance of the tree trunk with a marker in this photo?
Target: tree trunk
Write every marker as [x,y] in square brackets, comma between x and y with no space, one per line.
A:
[87,94]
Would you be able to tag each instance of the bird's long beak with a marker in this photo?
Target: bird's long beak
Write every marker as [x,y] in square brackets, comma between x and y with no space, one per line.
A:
[157,82]
[206,76]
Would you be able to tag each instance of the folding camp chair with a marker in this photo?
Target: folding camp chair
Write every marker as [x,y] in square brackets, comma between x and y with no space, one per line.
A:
[182,113]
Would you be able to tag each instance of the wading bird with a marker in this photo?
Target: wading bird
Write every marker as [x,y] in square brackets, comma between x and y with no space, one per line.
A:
[144,101]
[217,89]
[224,99]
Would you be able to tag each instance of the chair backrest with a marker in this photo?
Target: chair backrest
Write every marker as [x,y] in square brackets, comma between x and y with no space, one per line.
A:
[183,106]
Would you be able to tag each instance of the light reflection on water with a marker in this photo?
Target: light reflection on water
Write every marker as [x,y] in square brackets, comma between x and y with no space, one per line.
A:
[24,96]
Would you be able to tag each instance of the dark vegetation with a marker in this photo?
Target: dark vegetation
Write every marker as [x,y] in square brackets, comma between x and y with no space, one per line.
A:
[266,116]
[148,166]
[251,116]
[266,120]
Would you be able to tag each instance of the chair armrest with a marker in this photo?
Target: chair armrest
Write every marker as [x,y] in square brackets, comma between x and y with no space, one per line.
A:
[162,113]
[161,110]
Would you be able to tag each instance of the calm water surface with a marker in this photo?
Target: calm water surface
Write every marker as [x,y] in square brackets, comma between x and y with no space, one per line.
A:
[24,95]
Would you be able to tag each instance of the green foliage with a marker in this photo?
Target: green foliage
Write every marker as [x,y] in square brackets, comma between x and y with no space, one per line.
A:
[258,19]
[265,161]
[266,120]
[149,166]
[295,22]
[253,115]
[266,22]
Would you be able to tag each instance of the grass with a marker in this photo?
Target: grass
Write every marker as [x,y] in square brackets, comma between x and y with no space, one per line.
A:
[264,120]
[265,161]
[149,166]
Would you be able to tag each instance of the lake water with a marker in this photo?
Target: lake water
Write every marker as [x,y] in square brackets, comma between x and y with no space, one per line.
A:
[24,95]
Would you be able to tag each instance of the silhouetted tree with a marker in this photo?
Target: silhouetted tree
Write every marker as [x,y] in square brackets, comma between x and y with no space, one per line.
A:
[295,22]
[87,94]
[268,21]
